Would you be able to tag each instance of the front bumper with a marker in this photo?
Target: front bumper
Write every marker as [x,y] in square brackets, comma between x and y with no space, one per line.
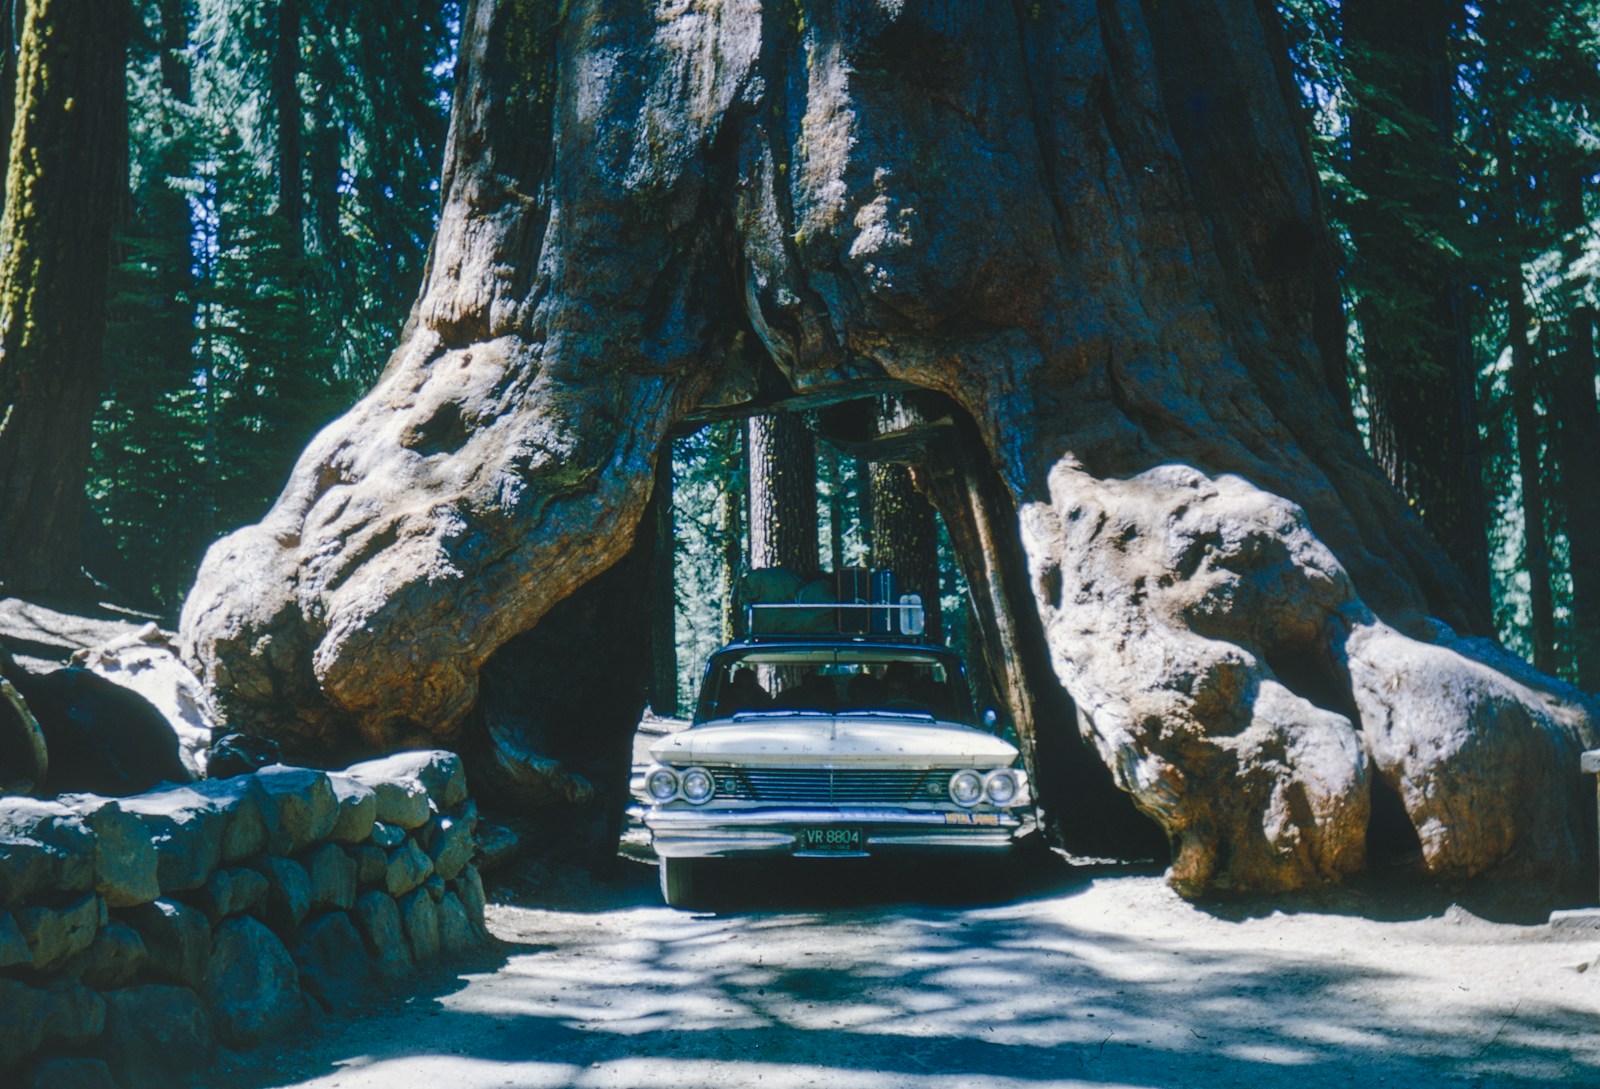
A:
[743,833]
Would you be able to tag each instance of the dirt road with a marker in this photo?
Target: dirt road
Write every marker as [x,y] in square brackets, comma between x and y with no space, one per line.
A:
[831,978]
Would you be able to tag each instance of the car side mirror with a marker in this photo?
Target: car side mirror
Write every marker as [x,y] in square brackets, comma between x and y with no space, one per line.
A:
[991,719]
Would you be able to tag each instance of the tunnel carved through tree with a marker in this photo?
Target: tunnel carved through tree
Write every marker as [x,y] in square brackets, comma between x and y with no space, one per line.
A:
[1095,231]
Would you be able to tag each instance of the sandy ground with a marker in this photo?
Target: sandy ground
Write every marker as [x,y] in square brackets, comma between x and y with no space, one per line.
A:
[831,977]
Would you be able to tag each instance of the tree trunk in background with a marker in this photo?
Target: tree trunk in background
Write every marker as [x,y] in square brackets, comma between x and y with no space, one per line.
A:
[1576,448]
[175,74]
[286,100]
[1575,436]
[11,15]
[65,183]
[663,604]
[782,462]
[905,537]
[1093,228]
[831,469]
[730,528]
[1536,540]
[1412,304]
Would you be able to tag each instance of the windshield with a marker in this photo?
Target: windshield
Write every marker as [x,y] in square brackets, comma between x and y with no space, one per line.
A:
[834,680]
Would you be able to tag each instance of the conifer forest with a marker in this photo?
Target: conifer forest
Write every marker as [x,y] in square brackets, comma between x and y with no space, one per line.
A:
[272,190]
[1248,252]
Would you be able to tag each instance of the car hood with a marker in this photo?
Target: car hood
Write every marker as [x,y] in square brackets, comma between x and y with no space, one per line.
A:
[828,740]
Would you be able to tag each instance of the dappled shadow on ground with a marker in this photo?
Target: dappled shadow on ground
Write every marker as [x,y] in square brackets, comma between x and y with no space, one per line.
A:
[1401,892]
[885,978]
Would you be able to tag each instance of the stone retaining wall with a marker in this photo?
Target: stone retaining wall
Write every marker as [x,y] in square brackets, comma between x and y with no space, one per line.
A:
[139,934]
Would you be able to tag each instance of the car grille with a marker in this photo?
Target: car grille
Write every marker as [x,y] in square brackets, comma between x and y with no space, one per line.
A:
[823,786]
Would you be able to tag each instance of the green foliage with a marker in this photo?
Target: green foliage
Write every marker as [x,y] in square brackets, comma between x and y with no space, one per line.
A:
[239,327]
[1507,201]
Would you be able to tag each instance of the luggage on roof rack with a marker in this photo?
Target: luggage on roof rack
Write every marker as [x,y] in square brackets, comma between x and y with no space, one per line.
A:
[855,602]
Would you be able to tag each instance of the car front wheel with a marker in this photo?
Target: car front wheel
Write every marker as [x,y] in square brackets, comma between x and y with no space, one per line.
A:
[682,882]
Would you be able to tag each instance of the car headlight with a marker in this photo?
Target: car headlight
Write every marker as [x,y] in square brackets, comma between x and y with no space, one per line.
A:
[698,786]
[966,787]
[1000,787]
[662,784]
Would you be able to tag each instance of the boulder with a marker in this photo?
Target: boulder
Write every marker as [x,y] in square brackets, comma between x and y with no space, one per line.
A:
[469,887]
[419,917]
[358,809]
[333,877]
[112,959]
[333,963]
[43,846]
[13,946]
[456,932]
[147,662]
[409,867]
[288,892]
[400,801]
[466,813]
[177,939]
[497,846]
[240,754]
[230,892]
[253,989]
[102,738]
[298,806]
[125,861]
[61,1073]
[378,922]
[388,835]
[434,887]
[54,934]
[437,771]
[24,758]
[450,844]
[154,1031]
[27,1013]
[372,864]
[197,827]
[64,1011]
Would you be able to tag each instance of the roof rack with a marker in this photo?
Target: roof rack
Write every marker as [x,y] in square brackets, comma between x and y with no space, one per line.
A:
[900,620]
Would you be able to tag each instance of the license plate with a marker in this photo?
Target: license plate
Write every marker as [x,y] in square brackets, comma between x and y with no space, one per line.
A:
[829,841]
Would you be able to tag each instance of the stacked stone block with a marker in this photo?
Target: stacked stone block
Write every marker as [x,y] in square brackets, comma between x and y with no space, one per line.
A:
[139,934]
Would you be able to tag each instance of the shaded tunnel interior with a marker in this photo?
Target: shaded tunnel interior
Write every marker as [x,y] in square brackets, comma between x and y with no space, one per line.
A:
[573,689]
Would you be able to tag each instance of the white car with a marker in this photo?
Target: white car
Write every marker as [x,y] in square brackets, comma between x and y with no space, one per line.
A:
[830,747]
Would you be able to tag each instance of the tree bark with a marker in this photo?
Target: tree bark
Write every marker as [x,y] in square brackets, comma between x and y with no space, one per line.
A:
[174,43]
[730,528]
[1090,225]
[782,505]
[1416,333]
[1530,442]
[1575,434]
[904,532]
[663,688]
[65,181]
[286,101]
[1577,447]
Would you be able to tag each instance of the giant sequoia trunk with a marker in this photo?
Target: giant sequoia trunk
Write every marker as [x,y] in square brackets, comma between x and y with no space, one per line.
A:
[1092,226]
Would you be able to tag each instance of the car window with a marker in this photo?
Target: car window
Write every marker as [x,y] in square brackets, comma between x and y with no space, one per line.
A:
[833,681]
